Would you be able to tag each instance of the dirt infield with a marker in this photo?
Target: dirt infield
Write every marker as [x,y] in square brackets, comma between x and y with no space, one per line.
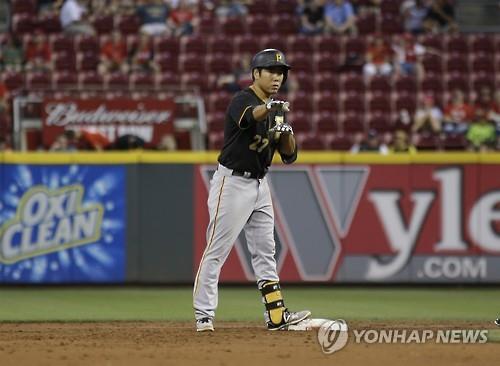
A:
[170,343]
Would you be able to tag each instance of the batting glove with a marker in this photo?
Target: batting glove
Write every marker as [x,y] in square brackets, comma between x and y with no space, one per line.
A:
[278,105]
[283,128]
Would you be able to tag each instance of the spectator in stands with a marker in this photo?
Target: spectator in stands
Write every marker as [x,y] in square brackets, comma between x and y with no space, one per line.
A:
[401,143]
[38,54]
[312,15]
[339,17]
[240,78]
[481,134]
[4,145]
[11,54]
[408,56]
[372,143]
[4,96]
[73,18]
[113,55]
[231,8]
[485,100]
[494,113]
[458,114]
[377,58]
[153,15]
[64,142]
[183,19]
[127,142]
[48,6]
[366,6]
[441,16]
[86,140]
[142,56]
[167,143]
[414,13]
[428,116]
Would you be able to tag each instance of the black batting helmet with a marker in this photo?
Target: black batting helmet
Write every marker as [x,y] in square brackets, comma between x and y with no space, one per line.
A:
[270,57]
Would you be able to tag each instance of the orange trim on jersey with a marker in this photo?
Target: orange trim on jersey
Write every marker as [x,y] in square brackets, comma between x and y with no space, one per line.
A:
[211,238]
[241,117]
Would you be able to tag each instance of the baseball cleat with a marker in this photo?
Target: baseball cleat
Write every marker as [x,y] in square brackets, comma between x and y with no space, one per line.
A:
[290,318]
[204,325]
[497,322]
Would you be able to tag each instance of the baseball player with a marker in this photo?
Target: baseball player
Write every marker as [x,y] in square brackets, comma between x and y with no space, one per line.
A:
[239,197]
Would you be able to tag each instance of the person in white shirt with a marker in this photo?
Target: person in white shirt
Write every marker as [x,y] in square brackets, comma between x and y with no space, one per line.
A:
[72,18]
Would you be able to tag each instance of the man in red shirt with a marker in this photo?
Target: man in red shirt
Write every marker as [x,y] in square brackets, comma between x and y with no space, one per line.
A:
[38,54]
[114,55]
[458,114]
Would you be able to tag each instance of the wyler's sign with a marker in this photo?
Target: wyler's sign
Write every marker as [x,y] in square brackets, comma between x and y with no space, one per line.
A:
[419,222]
[48,221]
[149,118]
[62,223]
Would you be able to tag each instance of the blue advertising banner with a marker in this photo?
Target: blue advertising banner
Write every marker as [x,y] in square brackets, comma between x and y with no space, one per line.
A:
[62,223]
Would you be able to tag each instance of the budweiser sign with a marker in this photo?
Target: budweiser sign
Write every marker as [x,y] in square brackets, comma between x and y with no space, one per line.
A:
[146,118]
[387,223]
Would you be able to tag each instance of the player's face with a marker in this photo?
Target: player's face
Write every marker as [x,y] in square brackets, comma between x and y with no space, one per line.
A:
[269,80]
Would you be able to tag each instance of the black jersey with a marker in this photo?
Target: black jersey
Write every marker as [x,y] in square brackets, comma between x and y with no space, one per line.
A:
[248,146]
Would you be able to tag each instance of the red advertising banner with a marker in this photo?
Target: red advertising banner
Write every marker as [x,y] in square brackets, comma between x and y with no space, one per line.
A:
[415,223]
[148,119]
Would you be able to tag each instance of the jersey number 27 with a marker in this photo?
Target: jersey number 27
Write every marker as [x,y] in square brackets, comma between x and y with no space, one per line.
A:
[259,143]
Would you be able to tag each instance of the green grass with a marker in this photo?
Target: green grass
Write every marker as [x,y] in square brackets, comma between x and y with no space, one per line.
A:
[243,304]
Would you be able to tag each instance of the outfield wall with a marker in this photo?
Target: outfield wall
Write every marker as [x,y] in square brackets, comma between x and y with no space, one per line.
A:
[141,218]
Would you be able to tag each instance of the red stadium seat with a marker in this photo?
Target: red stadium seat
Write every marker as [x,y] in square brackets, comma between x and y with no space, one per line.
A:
[433,63]
[457,44]
[201,81]
[352,123]
[353,103]
[483,62]
[390,7]
[340,142]
[87,61]
[391,25]
[406,84]
[218,102]
[326,123]
[215,140]
[13,80]
[215,122]
[104,24]
[61,42]
[167,79]
[352,83]
[259,25]
[380,103]
[194,44]
[275,41]
[38,80]
[285,24]
[457,80]
[247,44]
[328,44]
[300,121]
[23,24]
[427,142]
[167,45]
[208,24]
[312,142]
[285,6]
[222,45]
[128,24]
[117,81]
[301,63]
[483,43]
[219,64]
[301,44]
[305,81]
[406,102]
[301,102]
[380,84]
[326,101]
[88,44]
[454,142]
[432,84]
[191,63]
[50,24]
[262,7]
[367,23]
[65,80]
[457,63]
[381,122]
[481,80]
[326,62]
[234,26]
[167,62]
[327,81]
[91,80]
[355,45]
[64,61]
[141,80]
[23,7]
